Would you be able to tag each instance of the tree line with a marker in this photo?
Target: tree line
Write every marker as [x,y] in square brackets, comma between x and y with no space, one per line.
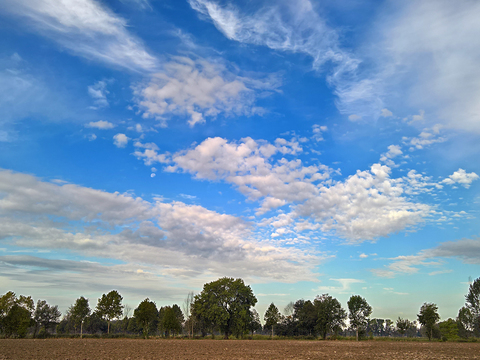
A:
[226,307]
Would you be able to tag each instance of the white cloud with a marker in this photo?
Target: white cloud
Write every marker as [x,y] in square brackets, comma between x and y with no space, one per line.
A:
[427,137]
[354,117]
[120,140]
[179,240]
[419,117]
[386,113]
[461,177]
[197,89]
[318,132]
[98,92]
[393,151]
[363,256]
[86,28]
[345,285]
[101,124]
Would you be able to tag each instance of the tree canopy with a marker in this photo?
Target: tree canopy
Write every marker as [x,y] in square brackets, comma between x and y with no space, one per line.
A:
[225,303]
[330,314]
[272,316]
[359,312]
[145,315]
[110,306]
[428,317]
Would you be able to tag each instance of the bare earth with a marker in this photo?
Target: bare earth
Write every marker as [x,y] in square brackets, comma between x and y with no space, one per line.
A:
[232,349]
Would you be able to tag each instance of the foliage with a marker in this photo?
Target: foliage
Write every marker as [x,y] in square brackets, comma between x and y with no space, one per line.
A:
[79,311]
[146,314]
[171,320]
[45,316]
[402,325]
[15,314]
[428,317]
[449,329]
[254,323]
[225,303]
[110,307]
[272,317]
[465,321]
[359,312]
[472,302]
[330,315]
[306,315]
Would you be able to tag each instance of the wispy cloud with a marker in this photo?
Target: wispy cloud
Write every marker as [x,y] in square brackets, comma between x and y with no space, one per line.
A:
[86,28]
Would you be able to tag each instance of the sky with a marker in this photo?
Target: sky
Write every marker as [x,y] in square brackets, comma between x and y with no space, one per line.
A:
[307,147]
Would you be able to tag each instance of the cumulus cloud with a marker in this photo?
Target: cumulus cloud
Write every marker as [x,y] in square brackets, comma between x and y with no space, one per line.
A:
[427,137]
[197,89]
[101,124]
[461,177]
[120,140]
[386,113]
[318,132]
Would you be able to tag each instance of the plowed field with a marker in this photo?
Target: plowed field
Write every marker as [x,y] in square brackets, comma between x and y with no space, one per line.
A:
[232,349]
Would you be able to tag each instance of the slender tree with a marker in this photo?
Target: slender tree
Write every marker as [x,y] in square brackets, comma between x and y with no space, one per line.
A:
[428,317]
[79,312]
[272,317]
[359,312]
[46,315]
[110,307]
[187,309]
[473,303]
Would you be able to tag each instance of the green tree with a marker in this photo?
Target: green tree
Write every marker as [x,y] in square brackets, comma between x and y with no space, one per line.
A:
[187,309]
[170,321]
[359,312]
[402,325]
[146,314]
[272,317]
[330,314]
[79,312]
[449,329]
[225,304]
[14,322]
[306,315]
[465,321]
[428,317]
[473,303]
[110,307]
[46,316]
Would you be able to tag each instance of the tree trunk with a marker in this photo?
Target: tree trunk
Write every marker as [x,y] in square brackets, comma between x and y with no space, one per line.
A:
[272,331]
[108,328]
[356,333]
[81,330]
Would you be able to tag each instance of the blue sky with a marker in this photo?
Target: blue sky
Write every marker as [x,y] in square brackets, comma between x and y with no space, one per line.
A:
[305,146]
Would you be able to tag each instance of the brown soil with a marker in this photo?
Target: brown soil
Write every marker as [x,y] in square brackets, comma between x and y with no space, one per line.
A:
[232,349]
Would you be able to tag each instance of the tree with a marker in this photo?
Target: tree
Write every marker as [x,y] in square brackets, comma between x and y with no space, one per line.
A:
[465,321]
[272,316]
[15,314]
[330,314]
[449,329]
[79,312]
[428,317]
[187,309]
[110,307]
[225,304]
[359,312]
[254,324]
[306,315]
[45,315]
[146,314]
[170,321]
[473,303]
[402,325]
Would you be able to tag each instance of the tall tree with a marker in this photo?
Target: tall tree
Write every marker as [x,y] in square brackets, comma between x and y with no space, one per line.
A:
[187,309]
[330,314]
[79,312]
[170,321]
[403,325]
[449,329]
[473,303]
[225,303]
[465,321]
[359,312]
[428,317]
[15,313]
[272,317]
[146,314]
[110,307]
[306,315]
[254,323]
[46,315]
